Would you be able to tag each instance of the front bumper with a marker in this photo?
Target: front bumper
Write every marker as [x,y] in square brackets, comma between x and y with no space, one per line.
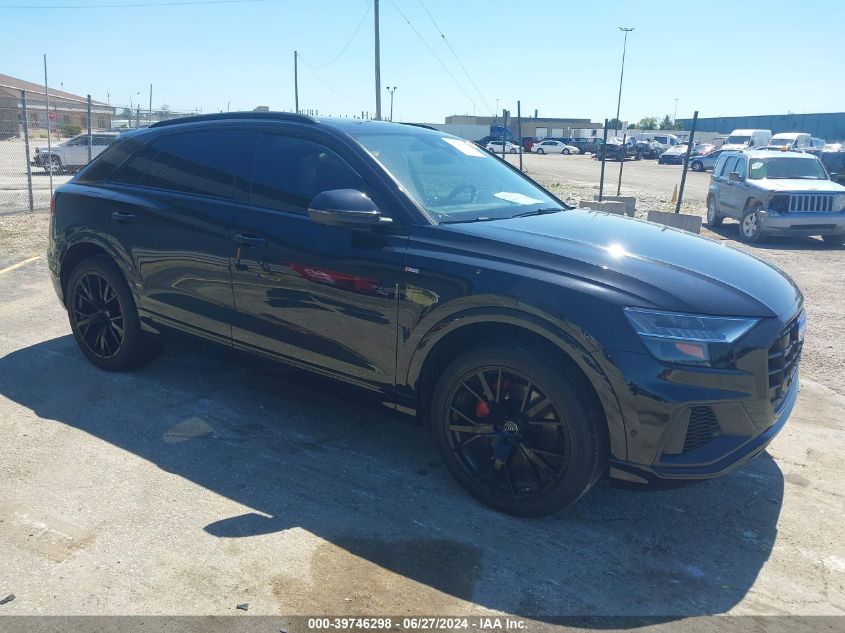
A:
[687,424]
[802,223]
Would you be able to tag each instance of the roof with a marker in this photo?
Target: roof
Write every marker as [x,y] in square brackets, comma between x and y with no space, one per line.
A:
[21,84]
[767,153]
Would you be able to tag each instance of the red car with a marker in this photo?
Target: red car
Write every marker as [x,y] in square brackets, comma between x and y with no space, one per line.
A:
[528,142]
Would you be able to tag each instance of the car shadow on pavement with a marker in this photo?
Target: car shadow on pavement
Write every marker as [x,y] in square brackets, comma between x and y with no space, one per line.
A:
[730,231]
[372,488]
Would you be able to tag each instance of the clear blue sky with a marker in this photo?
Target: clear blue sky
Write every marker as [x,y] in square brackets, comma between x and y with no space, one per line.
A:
[560,57]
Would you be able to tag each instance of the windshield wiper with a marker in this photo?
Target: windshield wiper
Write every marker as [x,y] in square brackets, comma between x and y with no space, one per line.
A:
[537,212]
[478,219]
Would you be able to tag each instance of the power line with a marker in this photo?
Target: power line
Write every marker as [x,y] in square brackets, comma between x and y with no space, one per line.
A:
[433,54]
[457,59]
[354,33]
[132,5]
[328,85]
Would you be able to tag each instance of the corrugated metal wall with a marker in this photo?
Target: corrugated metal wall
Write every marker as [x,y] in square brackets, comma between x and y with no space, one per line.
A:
[829,126]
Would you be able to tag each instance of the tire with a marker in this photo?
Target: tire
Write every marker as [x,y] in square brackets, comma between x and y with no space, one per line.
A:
[99,297]
[638,156]
[697,165]
[566,152]
[713,217]
[501,467]
[514,151]
[540,150]
[834,240]
[749,226]
[54,165]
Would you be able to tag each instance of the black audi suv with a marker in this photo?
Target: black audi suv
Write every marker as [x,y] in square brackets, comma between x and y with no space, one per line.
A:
[544,345]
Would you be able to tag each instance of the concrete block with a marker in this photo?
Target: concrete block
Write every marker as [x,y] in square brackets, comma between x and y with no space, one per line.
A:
[630,202]
[606,206]
[690,223]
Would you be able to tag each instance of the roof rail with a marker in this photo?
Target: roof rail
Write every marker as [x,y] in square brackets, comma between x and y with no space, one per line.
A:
[222,116]
[422,125]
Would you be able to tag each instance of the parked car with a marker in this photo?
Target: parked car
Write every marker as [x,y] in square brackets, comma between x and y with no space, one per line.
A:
[816,145]
[617,150]
[788,193]
[667,140]
[833,147]
[675,155]
[496,147]
[73,153]
[554,147]
[747,139]
[587,145]
[533,338]
[528,142]
[834,162]
[797,141]
[705,162]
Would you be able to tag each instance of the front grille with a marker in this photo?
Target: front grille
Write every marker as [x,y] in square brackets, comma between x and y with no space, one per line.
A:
[810,202]
[702,428]
[784,355]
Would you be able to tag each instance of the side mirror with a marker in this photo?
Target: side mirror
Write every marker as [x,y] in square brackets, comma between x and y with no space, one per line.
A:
[344,207]
[734,176]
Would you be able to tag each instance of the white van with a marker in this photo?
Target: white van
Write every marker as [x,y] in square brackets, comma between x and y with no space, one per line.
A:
[747,139]
[797,141]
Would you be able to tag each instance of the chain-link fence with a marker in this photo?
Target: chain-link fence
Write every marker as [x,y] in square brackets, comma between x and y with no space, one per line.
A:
[46,138]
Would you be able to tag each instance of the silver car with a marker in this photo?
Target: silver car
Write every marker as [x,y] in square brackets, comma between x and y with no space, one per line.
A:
[788,193]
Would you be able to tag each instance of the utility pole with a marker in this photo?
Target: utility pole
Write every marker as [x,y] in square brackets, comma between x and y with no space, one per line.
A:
[391,90]
[625,30]
[49,142]
[676,110]
[296,81]
[378,64]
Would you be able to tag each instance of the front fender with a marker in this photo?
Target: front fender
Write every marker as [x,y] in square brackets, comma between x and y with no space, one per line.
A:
[565,337]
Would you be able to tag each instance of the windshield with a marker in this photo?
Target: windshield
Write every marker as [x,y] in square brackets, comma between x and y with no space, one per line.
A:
[785,167]
[453,179]
[739,140]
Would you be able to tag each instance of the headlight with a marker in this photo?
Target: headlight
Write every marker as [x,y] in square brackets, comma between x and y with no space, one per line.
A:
[839,202]
[687,338]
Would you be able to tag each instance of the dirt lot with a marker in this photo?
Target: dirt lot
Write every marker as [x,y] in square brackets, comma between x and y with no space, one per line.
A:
[193,485]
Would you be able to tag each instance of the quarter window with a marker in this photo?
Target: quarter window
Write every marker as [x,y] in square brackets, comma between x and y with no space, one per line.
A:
[288,172]
[203,162]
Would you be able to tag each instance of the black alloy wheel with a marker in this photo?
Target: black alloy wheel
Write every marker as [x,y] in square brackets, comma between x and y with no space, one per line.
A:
[98,316]
[516,432]
[104,318]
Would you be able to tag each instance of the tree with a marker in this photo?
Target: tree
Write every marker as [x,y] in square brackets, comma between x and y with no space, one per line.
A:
[648,123]
[614,124]
[667,123]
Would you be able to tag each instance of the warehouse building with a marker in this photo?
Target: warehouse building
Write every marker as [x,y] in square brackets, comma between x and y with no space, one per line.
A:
[828,125]
[66,110]
[541,127]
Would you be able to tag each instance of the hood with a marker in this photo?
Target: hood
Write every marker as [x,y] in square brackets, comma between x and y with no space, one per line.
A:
[799,185]
[642,264]
[677,149]
[736,147]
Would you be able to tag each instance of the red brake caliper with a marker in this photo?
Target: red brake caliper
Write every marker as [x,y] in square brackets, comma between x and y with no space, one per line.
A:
[482,410]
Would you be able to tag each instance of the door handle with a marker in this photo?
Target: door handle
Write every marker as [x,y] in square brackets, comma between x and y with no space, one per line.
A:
[250,240]
[122,216]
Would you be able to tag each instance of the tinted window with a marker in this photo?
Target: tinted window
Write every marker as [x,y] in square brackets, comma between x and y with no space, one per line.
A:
[728,166]
[203,162]
[103,165]
[740,167]
[287,172]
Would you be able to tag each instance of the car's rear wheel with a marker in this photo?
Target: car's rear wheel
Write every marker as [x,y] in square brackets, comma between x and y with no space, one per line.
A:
[567,152]
[713,217]
[697,165]
[516,431]
[540,150]
[514,150]
[749,226]
[103,317]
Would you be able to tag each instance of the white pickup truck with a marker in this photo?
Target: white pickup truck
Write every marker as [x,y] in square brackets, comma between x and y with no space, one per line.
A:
[73,153]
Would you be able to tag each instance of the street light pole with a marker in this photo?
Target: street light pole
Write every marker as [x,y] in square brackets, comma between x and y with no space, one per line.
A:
[378,62]
[391,90]
[625,30]
[676,110]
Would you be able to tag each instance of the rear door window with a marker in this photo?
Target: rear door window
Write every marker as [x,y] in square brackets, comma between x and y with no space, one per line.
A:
[204,162]
[740,167]
[728,167]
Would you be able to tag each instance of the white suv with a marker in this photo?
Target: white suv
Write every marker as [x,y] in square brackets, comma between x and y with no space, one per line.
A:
[73,153]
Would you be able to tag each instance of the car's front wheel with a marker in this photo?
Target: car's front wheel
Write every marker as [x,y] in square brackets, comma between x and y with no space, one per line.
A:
[516,431]
[567,152]
[103,317]
[697,165]
[713,217]
[53,165]
[514,150]
[540,151]
[749,226]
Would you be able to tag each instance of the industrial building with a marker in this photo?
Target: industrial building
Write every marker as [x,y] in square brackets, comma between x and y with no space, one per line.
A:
[541,127]
[827,125]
